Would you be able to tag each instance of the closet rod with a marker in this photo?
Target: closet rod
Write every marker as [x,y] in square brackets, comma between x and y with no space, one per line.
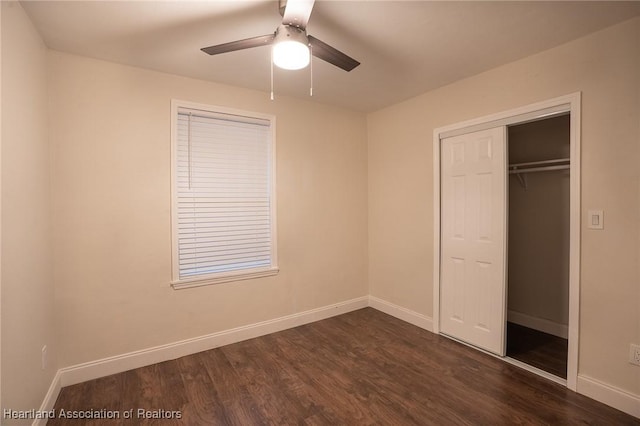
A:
[539,163]
[539,169]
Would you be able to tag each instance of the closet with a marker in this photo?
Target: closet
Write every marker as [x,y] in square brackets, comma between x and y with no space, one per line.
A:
[538,243]
[506,235]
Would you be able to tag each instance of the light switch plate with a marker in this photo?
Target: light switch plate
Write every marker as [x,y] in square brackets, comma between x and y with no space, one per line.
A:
[595,219]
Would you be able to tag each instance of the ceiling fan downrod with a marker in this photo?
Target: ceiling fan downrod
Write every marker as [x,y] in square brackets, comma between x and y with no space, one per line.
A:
[282,5]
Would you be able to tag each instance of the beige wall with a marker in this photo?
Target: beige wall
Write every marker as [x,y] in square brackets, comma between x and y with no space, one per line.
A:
[110,142]
[538,265]
[605,66]
[27,284]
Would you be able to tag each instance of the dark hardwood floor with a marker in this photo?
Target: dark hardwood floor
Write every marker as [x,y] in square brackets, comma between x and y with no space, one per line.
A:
[538,349]
[364,367]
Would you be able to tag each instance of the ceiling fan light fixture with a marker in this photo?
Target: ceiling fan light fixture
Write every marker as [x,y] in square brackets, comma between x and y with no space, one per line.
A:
[291,48]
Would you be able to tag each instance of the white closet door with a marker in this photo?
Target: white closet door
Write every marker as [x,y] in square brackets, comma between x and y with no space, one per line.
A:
[473,238]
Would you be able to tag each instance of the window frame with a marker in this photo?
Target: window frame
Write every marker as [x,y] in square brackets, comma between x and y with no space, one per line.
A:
[228,276]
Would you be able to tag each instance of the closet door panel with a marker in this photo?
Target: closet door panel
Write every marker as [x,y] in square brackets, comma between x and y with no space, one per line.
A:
[473,224]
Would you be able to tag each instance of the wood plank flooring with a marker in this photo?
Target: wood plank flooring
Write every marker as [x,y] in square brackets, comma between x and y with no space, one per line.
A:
[361,368]
[541,350]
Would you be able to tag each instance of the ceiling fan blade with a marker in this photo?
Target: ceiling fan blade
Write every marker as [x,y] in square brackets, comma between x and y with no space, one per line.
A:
[322,50]
[239,45]
[297,13]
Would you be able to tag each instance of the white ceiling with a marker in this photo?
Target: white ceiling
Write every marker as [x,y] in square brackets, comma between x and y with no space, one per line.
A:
[406,47]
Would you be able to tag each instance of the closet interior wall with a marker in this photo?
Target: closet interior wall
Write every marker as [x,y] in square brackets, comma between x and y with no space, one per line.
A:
[538,242]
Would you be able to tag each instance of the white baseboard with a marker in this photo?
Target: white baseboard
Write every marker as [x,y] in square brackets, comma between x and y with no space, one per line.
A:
[610,395]
[540,324]
[49,399]
[404,314]
[120,363]
[617,398]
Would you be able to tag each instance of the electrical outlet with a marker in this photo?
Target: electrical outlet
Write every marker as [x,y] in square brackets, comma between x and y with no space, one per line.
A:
[634,354]
[45,357]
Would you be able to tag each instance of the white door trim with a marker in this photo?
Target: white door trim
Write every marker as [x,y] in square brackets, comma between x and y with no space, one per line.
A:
[569,103]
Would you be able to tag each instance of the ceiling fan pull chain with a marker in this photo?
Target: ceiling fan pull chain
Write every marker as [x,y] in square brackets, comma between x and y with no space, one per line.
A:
[271,74]
[311,69]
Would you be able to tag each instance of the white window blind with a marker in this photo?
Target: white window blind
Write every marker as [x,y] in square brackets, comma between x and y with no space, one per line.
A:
[223,220]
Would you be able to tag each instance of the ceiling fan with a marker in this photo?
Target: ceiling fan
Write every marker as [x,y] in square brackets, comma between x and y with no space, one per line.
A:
[292,47]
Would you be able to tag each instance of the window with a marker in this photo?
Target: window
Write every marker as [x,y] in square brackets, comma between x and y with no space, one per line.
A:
[223,213]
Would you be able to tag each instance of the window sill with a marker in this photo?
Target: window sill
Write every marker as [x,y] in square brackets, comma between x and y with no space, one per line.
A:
[199,282]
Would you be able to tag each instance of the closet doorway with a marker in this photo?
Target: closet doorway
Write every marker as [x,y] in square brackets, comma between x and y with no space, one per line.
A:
[534,289]
[538,244]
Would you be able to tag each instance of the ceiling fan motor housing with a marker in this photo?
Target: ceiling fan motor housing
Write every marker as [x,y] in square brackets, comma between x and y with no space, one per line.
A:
[289,33]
